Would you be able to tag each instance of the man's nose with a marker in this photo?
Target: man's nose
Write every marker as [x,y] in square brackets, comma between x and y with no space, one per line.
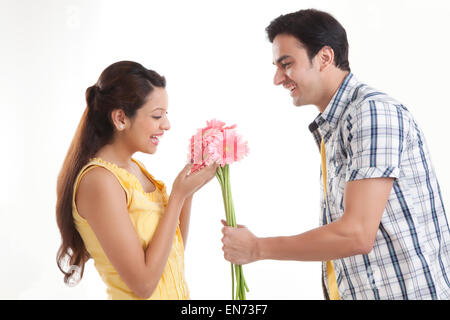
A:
[279,77]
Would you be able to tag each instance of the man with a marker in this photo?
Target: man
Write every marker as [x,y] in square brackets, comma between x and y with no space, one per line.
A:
[384,233]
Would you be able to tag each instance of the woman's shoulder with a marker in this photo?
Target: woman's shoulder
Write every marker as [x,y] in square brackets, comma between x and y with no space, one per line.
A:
[98,185]
[99,180]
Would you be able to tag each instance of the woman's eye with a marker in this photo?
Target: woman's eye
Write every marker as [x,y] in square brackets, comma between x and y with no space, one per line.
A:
[158,117]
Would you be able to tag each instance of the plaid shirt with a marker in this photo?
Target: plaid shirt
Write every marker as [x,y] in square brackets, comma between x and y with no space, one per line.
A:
[367,134]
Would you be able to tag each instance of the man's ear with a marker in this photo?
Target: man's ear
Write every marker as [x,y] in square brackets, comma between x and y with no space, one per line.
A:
[325,57]
[119,119]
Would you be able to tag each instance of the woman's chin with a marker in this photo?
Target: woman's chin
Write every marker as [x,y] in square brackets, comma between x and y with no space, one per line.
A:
[149,150]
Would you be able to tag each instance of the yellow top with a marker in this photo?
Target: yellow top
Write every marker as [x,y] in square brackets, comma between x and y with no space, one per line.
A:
[145,211]
[331,275]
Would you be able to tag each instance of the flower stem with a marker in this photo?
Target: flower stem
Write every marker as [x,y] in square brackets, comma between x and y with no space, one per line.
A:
[232,282]
[237,275]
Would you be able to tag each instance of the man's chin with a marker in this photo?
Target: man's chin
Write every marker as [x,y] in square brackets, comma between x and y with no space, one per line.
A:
[298,103]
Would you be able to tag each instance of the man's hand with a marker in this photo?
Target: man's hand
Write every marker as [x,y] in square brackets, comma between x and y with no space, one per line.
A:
[240,246]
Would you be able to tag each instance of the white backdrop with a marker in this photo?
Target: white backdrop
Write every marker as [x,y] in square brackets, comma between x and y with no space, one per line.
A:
[218,64]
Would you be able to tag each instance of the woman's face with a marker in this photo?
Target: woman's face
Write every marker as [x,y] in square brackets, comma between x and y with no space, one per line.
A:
[150,122]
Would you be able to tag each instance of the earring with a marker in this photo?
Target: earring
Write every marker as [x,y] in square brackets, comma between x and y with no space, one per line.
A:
[121,127]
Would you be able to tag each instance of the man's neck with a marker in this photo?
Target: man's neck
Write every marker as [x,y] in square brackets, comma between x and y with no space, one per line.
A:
[332,82]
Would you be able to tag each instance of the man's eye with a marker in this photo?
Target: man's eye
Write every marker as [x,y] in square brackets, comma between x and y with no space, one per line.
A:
[284,65]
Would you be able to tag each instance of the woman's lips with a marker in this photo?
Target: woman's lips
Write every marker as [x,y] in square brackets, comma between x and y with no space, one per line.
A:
[155,139]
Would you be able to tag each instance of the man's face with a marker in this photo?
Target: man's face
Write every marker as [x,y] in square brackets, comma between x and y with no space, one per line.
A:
[295,71]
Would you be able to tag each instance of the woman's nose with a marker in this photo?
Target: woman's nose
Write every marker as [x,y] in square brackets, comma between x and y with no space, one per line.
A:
[165,125]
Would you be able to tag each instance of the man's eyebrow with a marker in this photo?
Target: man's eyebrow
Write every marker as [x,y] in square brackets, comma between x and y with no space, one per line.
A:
[282,58]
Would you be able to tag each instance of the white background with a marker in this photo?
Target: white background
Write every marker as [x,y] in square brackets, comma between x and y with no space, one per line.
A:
[218,64]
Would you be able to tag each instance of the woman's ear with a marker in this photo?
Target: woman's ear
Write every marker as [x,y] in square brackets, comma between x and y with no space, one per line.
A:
[119,119]
[325,57]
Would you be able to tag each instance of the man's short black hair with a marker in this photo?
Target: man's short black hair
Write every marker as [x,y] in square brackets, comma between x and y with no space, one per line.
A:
[314,29]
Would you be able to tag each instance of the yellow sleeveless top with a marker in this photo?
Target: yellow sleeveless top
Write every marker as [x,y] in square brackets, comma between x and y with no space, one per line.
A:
[145,211]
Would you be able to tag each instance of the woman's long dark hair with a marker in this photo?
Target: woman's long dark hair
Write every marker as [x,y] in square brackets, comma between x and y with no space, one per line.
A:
[123,85]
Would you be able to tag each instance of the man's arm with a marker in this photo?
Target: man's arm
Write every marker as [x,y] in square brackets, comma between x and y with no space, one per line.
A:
[364,203]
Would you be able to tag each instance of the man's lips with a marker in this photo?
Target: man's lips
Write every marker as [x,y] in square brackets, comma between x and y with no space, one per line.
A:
[291,86]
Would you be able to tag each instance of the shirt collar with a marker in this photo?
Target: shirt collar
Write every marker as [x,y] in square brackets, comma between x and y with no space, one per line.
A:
[326,122]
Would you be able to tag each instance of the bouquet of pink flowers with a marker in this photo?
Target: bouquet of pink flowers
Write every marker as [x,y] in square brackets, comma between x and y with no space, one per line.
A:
[219,144]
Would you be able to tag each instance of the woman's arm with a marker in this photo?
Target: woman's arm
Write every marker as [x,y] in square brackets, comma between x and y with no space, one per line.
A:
[102,202]
[185,217]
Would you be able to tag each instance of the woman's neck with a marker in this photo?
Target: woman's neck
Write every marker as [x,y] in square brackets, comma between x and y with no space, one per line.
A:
[116,153]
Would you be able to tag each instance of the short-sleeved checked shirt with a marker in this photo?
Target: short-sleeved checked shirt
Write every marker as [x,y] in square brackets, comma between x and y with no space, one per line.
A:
[368,134]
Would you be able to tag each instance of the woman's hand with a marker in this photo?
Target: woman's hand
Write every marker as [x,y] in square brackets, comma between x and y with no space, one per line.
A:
[186,185]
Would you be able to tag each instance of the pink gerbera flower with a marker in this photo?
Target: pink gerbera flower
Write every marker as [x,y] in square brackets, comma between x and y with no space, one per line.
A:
[216,143]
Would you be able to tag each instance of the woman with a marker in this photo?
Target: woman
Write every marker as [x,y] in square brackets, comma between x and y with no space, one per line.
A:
[109,207]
